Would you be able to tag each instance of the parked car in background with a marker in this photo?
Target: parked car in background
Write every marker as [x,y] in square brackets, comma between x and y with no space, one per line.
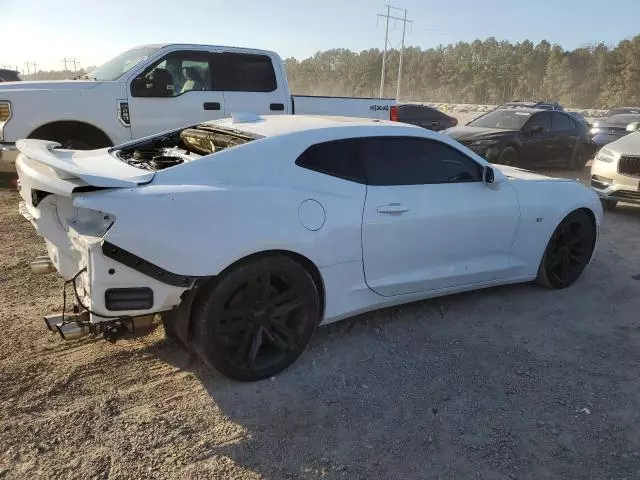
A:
[622,111]
[541,105]
[9,75]
[153,88]
[527,137]
[309,220]
[611,128]
[615,172]
[579,117]
[425,116]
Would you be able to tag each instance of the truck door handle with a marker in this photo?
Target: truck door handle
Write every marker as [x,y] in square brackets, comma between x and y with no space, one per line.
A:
[211,106]
[277,107]
[392,208]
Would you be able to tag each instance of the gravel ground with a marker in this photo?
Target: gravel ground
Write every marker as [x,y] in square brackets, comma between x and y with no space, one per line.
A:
[511,382]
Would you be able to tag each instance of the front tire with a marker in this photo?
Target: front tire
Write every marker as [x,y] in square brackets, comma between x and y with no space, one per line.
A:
[257,318]
[508,156]
[568,252]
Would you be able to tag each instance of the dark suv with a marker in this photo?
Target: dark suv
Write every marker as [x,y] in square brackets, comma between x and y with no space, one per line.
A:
[555,106]
[9,75]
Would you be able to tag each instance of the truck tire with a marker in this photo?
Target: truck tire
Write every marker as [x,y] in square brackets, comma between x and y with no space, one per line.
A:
[508,156]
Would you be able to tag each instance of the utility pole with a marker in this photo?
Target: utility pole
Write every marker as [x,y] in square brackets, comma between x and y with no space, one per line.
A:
[404,21]
[384,54]
[404,27]
[73,62]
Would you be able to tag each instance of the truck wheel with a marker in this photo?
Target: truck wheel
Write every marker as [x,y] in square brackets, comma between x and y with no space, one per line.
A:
[508,156]
[257,318]
[578,160]
[73,135]
[568,252]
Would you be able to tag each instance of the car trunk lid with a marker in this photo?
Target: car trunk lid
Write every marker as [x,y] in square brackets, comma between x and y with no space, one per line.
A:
[42,166]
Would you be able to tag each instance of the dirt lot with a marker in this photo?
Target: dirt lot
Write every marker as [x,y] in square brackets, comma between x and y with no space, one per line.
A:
[512,382]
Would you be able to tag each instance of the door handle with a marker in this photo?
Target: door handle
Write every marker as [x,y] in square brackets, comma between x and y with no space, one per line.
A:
[211,106]
[392,208]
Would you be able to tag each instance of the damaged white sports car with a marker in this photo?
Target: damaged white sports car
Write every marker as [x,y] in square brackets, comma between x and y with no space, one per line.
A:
[247,233]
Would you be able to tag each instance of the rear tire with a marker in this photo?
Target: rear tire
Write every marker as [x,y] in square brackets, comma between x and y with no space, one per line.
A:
[568,252]
[578,160]
[508,156]
[257,318]
[609,205]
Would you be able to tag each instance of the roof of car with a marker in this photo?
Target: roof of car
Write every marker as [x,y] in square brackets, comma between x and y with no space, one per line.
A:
[272,125]
[522,109]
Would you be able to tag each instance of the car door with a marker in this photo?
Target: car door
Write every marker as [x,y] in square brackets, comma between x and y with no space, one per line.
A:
[249,83]
[566,136]
[537,140]
[175,91]
[429,222]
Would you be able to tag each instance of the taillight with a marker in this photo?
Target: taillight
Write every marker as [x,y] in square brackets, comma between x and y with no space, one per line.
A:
[393,113]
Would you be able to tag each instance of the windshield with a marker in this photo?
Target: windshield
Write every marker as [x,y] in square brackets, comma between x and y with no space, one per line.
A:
[506,119]
[118,66]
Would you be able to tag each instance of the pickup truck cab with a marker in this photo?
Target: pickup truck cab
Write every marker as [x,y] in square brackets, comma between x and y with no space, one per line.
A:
[155,88]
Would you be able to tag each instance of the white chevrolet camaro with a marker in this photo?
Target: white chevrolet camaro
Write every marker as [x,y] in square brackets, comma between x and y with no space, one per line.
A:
[247,233]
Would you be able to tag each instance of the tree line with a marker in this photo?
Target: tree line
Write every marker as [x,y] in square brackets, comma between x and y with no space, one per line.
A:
[481,72]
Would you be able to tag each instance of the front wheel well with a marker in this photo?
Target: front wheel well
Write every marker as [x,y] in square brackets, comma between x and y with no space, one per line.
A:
[66,131]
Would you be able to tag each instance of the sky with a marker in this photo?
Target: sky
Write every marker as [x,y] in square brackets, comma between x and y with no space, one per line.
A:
[46,31]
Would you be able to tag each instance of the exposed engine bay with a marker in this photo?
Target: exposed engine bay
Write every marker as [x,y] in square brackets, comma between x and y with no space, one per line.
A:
[181,146]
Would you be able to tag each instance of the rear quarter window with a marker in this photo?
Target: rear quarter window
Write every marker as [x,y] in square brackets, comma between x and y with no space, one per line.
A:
[338,159]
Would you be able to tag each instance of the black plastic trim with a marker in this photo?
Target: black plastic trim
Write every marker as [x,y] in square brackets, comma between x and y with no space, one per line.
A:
[277,107]
[116,253]
[134,298]
[211,106]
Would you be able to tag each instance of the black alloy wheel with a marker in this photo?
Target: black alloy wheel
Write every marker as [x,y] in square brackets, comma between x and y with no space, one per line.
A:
[568,252]
[257,318]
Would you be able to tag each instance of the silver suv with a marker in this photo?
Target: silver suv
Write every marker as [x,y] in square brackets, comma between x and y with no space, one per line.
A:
[615,173]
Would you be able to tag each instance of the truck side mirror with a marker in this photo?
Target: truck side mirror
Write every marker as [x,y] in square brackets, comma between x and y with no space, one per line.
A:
[633,127]
[140,87]
[488,176]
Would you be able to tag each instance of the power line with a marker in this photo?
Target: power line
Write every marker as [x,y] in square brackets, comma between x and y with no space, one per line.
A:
[73,62]
[404,21]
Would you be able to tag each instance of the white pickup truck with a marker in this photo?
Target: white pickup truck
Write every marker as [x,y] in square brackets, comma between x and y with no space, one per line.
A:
[154,88]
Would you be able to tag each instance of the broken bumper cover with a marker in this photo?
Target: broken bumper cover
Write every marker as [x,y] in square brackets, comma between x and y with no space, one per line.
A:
[108,284]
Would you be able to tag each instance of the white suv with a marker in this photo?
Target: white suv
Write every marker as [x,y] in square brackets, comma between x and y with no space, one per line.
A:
[615,173]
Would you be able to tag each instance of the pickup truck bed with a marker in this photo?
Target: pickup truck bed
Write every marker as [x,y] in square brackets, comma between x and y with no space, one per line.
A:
[343,106]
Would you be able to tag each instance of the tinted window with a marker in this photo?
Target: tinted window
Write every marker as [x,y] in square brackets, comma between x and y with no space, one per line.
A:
[415,161]
[338,159]
[542,119]
[418,113]
[561,122]
[509,119]
[242,72]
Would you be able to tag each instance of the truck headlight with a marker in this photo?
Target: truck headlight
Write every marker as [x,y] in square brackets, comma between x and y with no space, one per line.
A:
[5,111]
[5,114]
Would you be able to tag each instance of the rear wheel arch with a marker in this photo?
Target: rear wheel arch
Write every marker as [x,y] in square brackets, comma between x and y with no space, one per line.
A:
[73,134]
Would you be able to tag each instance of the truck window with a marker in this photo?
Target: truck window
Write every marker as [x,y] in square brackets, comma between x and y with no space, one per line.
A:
[176,74]
[244,72]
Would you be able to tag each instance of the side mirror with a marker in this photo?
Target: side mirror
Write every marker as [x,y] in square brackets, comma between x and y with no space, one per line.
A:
[488,176]
[633,127]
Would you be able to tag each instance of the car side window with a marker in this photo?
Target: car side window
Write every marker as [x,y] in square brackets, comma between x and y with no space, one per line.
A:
[244,72]
[415,161]
[338,158]
[560,122]
[173,75]
[542,119]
